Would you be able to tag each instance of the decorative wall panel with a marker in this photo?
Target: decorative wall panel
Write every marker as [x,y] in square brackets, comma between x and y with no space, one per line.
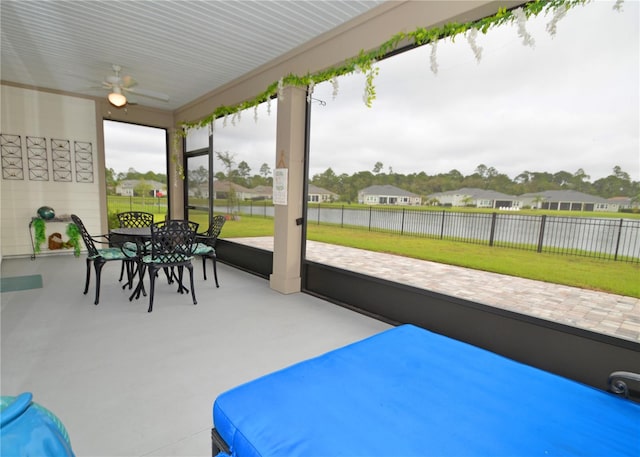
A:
[84,161]
[61,159]
[11,151]
[37,158]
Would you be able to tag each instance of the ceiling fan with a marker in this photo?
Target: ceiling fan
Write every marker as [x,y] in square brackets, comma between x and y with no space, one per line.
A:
[120,86]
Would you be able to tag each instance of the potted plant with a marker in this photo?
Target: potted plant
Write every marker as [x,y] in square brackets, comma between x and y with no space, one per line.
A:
[74,238]
[40,235]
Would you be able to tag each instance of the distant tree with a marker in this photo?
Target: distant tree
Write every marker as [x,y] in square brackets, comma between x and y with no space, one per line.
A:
[467,201]
[501,183]
[244,170]
[111,182]
[523,178]
[265,171]
[481,170]
[228,161]
[455,175]
[197,177]
[349,186]
[563,179]
[617,184]
[540,181]
[537,201]
[258,180]
[153,176]
[617,171]
[327,180]
[377,168]
[580,180]
[142,189]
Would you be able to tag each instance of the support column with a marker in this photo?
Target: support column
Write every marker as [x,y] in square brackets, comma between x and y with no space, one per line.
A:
[290,144]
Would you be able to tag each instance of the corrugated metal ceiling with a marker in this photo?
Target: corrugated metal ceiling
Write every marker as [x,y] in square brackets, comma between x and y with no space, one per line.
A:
[181,48]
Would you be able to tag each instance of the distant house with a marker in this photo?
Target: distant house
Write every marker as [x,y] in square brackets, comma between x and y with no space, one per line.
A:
[480,198]
[319,195]
[567,200]
[387,195]
[262,193]
[127,187]
[221,189]
[622,202]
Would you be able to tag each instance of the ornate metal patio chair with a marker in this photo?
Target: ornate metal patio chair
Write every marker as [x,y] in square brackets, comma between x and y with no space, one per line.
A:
[171,248]
[205,246]
[132,219]
[98,256]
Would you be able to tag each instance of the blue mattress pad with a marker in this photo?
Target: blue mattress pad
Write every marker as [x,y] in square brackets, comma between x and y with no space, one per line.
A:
[411,392]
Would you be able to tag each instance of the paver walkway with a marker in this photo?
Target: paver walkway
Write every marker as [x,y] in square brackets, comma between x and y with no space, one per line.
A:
[610,314]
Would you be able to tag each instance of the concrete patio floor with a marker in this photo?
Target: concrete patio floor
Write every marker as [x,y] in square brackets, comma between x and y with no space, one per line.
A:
[130,383]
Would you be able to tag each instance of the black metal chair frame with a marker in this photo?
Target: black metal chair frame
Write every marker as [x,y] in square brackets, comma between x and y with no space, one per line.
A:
[171,247]
[210,237]
[132,219]
[97,256]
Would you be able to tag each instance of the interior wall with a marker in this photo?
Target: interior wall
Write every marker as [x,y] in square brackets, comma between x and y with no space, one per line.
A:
[42,115]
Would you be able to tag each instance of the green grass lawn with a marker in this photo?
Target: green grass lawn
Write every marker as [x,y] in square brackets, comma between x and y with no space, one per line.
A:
[584,272]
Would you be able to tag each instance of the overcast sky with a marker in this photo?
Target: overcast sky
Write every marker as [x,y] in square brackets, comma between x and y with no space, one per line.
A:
[572,101]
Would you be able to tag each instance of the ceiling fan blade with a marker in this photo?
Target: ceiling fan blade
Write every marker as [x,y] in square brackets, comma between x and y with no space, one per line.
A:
[90,90]
[128,81]
[83,78]
[148,93]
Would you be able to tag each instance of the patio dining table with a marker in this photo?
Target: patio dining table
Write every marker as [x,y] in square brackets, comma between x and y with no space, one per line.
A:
[141,237]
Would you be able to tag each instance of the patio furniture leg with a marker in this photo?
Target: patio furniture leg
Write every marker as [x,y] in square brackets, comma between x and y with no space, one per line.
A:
[181,288]
[204,266]
[215,271]
[193,290]
[132,272]
[86,283]
[152,283]
[98,264]
[140,286]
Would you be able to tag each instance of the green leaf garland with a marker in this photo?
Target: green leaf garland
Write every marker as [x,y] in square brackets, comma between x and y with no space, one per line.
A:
[364,61]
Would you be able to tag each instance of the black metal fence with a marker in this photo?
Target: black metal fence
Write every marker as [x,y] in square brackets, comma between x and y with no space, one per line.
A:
[117,204]
[603,238]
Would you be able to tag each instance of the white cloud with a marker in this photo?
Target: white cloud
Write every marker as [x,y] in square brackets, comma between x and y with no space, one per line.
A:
[571,102]
[134,146]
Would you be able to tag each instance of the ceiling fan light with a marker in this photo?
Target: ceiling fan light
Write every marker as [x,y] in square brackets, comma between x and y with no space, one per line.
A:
[117,99]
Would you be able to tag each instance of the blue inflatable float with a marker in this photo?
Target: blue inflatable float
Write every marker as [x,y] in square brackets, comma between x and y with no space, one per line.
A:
[30,430]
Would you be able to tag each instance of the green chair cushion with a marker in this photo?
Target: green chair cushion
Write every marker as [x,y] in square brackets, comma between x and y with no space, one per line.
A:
[110,254]
[131,248]
[166,259]
[203,249]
